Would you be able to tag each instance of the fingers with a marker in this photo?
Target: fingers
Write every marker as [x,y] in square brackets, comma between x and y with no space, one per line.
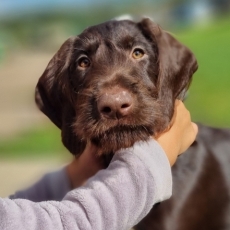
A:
[195,131]
[181,133]
[195,127]
[188,128]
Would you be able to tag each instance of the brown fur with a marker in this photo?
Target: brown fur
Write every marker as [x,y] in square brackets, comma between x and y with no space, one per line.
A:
[75,99]
[69,95]
[201,187]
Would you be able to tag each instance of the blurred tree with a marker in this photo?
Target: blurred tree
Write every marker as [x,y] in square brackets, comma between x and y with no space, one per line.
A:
[221,6]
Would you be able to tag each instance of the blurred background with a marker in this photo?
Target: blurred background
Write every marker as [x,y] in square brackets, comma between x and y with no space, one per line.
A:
[31,31]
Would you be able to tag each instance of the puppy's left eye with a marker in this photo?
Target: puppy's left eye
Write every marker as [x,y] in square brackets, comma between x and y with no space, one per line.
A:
[83,62]
[138,53]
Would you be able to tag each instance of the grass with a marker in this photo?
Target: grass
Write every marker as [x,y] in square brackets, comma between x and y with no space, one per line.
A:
[208,101]
[209,94]
[40,142]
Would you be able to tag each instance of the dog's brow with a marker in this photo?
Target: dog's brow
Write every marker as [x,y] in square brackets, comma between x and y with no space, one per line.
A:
[126,42]
[87,47]
[141,44]
[130,42]
[80,49]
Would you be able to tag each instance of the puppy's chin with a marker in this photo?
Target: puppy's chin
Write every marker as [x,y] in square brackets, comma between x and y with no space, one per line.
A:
[120,137]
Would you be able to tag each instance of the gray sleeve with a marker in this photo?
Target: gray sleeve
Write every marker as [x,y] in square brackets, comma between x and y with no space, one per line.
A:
[52,186]
[115,198]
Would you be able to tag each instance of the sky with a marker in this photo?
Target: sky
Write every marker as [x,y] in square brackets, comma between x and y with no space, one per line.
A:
[9,7]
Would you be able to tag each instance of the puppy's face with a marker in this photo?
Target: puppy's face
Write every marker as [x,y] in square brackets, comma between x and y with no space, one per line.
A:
[114,84]
[113,73]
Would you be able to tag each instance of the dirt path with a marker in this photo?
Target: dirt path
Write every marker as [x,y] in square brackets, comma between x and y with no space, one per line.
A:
[16,175]
[19,74]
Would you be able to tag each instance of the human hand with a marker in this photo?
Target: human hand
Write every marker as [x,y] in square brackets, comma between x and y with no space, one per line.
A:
[180,135]
[84,166]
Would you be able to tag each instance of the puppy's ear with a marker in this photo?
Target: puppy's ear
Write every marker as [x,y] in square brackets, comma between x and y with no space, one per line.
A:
[176,65]
[53,96]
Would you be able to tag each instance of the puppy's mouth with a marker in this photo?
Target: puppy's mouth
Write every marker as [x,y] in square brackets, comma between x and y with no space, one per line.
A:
[117,129]
[120,136]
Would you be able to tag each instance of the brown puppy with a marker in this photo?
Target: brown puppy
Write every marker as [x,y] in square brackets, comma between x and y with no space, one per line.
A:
[114,84]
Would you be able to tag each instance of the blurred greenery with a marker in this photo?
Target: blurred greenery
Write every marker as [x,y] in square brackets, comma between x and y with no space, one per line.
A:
[41,30]
[209,94]
[42,141]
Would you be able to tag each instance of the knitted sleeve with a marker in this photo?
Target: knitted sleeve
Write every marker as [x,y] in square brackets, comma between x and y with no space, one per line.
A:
[115,198]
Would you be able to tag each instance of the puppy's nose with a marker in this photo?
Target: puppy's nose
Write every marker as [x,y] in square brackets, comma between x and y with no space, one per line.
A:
[115,105]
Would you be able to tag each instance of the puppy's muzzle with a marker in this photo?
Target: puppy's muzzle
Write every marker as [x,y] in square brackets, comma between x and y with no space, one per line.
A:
[115,104]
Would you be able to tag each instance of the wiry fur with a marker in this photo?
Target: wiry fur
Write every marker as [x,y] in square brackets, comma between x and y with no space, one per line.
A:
[69,95]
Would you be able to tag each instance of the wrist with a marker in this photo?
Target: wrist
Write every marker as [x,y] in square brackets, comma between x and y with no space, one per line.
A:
[170,147]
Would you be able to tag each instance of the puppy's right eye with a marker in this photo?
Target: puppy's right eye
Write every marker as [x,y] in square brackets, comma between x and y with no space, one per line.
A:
[83,62]
[138,53]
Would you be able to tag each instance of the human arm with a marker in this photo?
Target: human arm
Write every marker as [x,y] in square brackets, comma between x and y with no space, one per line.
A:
[141,173]
[109,199]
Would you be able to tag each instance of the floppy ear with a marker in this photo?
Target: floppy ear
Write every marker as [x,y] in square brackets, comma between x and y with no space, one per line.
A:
[53,96]
[176,65]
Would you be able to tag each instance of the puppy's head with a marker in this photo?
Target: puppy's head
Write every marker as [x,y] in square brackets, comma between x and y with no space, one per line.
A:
[114,84]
